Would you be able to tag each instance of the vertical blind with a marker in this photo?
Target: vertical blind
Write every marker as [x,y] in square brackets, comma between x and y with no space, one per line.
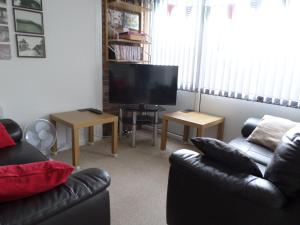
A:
[251,50]
[247,49]
[176,31]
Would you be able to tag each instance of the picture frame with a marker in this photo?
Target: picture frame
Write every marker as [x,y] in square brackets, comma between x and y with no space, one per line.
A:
[28,4]
[29,22]
[29,46]
[5,52]
[132,21]
[116,18]
[3,16]
[4,34]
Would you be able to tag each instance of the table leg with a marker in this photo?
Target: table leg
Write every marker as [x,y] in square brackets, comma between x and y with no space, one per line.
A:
[164,134]
[121,123]
[186,132]
[54,147]
[220,131]
[200,132]
[154,140]
[75,147]
[91,135]
[114,137]
[133,129]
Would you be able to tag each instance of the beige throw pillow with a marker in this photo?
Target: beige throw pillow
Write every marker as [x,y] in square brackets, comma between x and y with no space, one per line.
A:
[270,131]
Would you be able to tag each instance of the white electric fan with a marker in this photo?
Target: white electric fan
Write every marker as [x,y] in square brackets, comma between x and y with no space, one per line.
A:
[42,135]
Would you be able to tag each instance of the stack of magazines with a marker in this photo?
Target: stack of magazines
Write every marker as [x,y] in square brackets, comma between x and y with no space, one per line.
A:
[132,35]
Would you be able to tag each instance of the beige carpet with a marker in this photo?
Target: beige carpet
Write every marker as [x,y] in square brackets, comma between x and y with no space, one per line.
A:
[139,177]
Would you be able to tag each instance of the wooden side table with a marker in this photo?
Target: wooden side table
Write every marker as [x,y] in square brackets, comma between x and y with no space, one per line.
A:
[76,120]
[191,119]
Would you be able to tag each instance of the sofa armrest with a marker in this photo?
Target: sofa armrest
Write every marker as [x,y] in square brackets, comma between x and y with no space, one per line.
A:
[94,180]
[81,187]
[249,126]
[249,187]
[13,129]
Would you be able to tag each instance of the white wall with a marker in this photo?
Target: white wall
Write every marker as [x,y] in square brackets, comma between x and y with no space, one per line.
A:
[235,112]
[69,78]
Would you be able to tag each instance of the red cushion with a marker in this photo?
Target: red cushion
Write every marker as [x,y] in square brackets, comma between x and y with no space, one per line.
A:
[5,138]
[20,181]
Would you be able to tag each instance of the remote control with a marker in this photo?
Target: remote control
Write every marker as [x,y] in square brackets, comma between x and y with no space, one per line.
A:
[188,110]
[91,110]
[95,110]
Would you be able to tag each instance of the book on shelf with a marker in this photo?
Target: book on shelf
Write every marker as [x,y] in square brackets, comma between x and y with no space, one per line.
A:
[130,53]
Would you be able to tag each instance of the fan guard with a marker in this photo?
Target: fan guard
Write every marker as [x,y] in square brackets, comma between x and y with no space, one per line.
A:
[42,135]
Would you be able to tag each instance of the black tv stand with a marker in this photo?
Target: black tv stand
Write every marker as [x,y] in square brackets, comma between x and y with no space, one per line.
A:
[142,107]
[140,116]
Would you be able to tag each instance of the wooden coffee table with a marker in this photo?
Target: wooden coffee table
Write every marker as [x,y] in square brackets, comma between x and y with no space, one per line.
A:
[76,120]
[191,119]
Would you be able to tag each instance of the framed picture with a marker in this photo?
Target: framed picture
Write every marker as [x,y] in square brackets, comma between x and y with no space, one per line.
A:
[5,52]
[29,4]
[4,34]
[3,16]
[3,3]
[132,21]
[30,46]
[28,22]
[115,18]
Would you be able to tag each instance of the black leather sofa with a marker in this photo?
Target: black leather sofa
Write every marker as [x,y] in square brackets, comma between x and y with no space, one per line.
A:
[82,200]
[204,192]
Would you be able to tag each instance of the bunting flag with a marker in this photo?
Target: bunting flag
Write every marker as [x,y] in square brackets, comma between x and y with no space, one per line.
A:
[230,10]
[170,9]
[255,3]
[188,10]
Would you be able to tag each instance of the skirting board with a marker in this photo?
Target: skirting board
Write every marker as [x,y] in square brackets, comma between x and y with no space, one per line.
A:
[82,142]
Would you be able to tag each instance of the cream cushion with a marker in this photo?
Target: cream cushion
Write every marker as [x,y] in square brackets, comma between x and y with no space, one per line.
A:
[270,131]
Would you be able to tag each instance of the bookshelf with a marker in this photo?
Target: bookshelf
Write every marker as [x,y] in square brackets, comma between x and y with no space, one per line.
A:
[121,5]
[127,32]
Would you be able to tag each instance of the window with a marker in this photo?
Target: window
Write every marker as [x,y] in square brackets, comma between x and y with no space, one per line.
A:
[176,31]
[249,49]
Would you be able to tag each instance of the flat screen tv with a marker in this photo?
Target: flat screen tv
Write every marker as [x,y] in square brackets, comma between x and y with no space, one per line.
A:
[143,84]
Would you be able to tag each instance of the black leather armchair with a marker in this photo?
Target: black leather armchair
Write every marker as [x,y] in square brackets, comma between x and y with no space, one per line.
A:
[82,200]
[204,192]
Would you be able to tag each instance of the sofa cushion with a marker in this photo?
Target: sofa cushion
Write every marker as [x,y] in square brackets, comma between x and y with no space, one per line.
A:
[20,181]
[284,168]
[256,152]
[227,155]
[5,138]
[270,130]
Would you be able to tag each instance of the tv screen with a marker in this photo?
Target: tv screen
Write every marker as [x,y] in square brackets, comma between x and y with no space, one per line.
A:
[143,84]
